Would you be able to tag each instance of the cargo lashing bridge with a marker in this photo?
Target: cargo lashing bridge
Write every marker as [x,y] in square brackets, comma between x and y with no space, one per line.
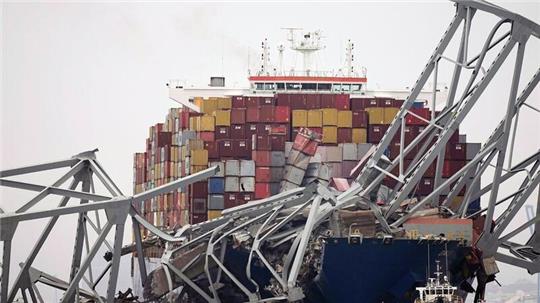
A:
[199,250]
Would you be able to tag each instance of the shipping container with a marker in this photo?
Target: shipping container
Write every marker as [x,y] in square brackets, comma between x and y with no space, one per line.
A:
[216,202]
[237,131]
[344,135]
[199,157]
[232,184]
[222,132]
[350,151]
[220,165]
[345,118]
[330,117]
[359,135]
[277,159]
[253,114]
[216,185]
[314,118]
[238,116]
[262,190]
[359,119]
[342,101]
[213,214]
[298,159]
[247,184]
[207,123]
[247,168]
[261,157]
[422,112]
[389,114]
[313,101]
[286,186]
[262,174]
[361,103]
[329,134]
[299,118]
[376,133]
[328,101]
[238,102]
[242,149]
[282,114]
[375,115]
[266,113]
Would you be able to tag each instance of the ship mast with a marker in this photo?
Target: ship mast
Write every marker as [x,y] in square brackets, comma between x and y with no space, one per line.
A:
[307,46]
[349,58]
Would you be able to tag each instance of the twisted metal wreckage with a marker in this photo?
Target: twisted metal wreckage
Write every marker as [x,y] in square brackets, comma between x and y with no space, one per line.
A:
[284,233]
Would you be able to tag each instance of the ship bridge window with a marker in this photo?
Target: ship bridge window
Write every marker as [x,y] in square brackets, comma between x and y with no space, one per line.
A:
[259,86]
[309,86]
[294,86]
[336,87]
[324,86]
[355,87]
[345,87]
[269,86]
[280,85]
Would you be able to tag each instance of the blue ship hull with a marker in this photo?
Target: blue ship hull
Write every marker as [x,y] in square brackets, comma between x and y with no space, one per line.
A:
[377,272]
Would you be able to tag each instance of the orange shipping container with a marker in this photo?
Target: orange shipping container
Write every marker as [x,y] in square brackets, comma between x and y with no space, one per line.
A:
[212,214]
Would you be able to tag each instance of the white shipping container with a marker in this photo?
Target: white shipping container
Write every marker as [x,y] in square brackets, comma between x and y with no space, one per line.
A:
[232,184]
[293,174]
[288,148]
[232,168]
[221,165]
[247,168]
[298,159]
[334,154]
[350,151]
[363,149]
[247,184]
[277,158]
[285,186]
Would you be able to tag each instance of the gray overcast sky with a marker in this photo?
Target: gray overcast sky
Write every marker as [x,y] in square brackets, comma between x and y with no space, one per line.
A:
[84,75]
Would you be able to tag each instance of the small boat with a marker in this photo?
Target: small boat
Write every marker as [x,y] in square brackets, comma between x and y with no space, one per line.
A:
[438,290]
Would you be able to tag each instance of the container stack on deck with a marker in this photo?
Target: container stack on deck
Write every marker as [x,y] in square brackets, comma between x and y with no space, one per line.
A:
[271,143]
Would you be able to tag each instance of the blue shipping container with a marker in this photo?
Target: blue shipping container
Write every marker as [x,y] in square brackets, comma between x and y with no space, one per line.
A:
[216,185]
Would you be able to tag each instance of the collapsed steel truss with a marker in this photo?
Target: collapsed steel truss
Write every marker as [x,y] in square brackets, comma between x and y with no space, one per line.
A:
[267,223]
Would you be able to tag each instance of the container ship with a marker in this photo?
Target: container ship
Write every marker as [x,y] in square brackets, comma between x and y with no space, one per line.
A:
[289,129]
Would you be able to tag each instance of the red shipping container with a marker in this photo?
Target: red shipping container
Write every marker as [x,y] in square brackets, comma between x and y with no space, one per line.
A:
[456,151]
[198,218]
[385,102]
[297,101]
[253,114]
[213,150]
[262,190]
[238,102]
[238,131]
[328,101]
[263,142]
[163,139]
[344,135]
[262,174]
[305,145]
[313,101]
[279,129]
[238,116]
[261,157]
[358,104]
[425,186]
[225,148]
[230,200]
[266,113]
[282,114]
[250,130]
[277,142]
[199,189]
[422,112]
[452,166]
[241,148]
[398,103]
[283,100]
[264,129]
[244,198]
[376,133]
[342,101]
[222,132]
[359,119]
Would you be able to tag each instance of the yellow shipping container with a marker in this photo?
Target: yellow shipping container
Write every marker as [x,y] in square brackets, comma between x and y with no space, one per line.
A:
[212,214]
[199,157]
[194,144]
[299,118]
[224,103]
[329,116]
[223,117]
[456,203]
[375,115]
[329,134]
[197,168]
[314,118]
[344,118]
[389,114]
[194,123]
[206,124]
[359,135]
